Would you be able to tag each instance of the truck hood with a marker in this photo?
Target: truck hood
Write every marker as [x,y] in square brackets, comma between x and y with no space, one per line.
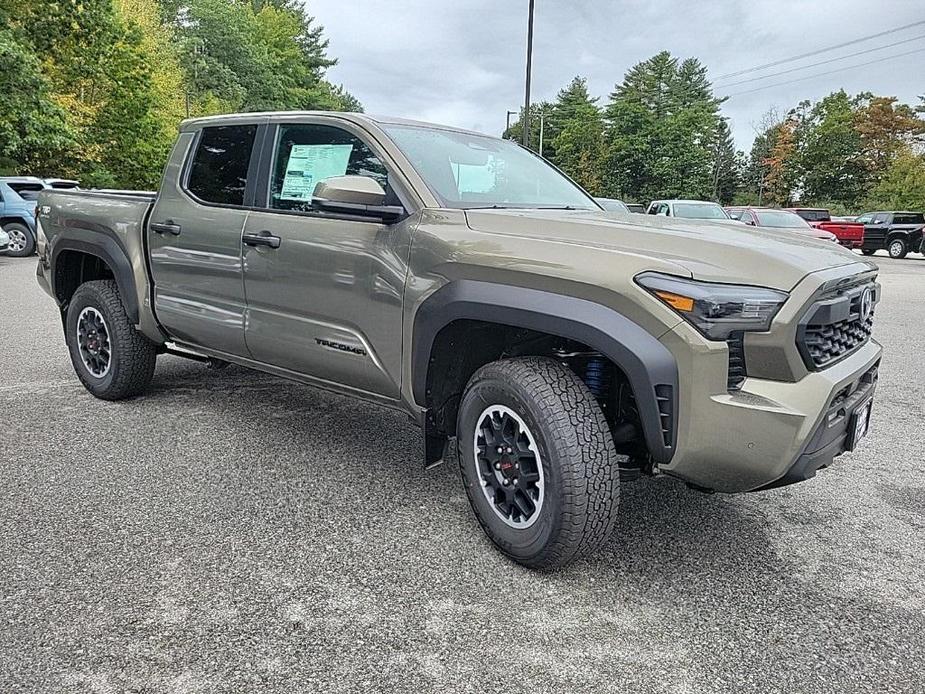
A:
[712,252]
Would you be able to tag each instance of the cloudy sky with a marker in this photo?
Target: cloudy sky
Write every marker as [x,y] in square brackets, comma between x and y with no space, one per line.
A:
[461,62]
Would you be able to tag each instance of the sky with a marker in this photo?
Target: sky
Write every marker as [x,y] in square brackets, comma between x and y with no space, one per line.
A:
[462,62]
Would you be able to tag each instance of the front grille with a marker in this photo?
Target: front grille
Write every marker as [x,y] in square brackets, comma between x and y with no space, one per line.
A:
[836,326]
[737,372]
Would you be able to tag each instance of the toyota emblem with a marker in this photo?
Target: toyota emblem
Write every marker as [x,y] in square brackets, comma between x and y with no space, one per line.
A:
[867,303]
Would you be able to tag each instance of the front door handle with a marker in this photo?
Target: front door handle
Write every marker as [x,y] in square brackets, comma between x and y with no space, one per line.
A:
[263,238]
[167,227]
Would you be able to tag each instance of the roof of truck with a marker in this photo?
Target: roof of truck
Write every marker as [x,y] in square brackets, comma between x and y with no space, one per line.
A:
[192,124]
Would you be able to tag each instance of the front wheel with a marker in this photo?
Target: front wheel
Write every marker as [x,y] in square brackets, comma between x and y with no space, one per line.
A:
[538,461]
[868,251]
[112,359]
[898,248]
[22,243]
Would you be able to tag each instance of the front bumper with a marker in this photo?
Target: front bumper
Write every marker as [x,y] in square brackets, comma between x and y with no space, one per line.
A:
[756,437]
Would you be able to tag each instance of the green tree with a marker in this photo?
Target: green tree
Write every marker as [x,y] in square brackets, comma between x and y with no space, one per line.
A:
[255,55]
[34,134]
[726,165]
[831,163]
[661,126]
[902,186]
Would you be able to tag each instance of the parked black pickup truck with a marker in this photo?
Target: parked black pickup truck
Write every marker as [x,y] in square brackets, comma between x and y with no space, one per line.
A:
[897,232]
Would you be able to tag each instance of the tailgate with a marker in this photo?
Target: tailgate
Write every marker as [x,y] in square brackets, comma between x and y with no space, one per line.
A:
[850,231]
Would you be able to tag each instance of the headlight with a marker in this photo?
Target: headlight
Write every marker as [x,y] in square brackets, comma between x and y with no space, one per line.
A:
[716,310]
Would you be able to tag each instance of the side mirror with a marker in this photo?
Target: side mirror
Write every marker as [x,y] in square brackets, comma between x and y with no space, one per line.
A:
[751,223]
[355,195]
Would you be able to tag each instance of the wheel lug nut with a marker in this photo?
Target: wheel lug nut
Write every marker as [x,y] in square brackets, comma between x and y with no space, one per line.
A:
[517,465]
[514,481]
[500,450]
[497,466]
[506,482]
[510,450]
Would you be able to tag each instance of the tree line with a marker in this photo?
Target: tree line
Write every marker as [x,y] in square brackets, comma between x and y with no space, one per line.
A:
[95,89]
[662,134]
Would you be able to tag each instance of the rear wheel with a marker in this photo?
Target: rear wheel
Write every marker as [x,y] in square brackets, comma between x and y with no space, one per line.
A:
[538,461]
[22,243]
[112,359]
[868,251]
[897,248]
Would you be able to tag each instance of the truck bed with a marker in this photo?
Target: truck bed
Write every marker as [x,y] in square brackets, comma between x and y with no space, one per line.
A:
[112,220]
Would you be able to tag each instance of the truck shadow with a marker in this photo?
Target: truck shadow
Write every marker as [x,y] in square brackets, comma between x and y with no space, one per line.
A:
[662,526]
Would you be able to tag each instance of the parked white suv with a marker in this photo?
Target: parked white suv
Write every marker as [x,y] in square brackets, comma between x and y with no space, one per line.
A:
[692,209]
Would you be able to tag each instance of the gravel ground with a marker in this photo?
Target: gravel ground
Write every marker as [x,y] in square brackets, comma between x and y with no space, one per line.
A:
[232,532]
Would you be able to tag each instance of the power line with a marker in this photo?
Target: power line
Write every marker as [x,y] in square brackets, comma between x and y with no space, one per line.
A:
[820,50]
[828,72]
[821,62]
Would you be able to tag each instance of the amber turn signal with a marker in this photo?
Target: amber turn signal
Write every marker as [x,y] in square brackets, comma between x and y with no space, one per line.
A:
[676,301]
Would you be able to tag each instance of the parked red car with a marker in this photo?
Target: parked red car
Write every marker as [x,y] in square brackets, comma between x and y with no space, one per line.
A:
[771,218]
[849,234]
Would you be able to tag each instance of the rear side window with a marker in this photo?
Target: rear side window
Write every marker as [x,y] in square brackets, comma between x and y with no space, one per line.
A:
[907,219]
[27,191]
[219,170]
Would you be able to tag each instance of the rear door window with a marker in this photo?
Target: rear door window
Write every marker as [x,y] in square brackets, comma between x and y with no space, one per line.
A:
[218,173]
[907,219]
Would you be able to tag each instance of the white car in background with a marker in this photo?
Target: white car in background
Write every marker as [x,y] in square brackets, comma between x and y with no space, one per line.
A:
[692,209]
[4,240]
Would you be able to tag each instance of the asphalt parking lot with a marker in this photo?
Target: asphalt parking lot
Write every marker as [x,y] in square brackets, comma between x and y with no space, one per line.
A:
[233,532]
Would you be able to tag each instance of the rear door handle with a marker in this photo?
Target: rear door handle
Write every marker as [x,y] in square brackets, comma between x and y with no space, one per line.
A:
[167,227]
[263,238]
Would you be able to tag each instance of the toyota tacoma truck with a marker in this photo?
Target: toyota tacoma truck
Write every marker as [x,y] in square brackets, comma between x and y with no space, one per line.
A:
[558,348]
[898,232]
[849,234]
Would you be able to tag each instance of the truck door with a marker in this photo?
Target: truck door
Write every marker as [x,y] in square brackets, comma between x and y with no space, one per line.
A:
[194,237]
[324,292]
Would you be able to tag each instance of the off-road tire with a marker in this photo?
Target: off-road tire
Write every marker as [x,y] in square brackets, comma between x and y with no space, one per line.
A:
[20,229]
[580,464]
[132,356]
[897,248]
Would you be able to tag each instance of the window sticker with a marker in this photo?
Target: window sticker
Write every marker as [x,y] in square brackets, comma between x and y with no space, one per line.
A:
[309,164]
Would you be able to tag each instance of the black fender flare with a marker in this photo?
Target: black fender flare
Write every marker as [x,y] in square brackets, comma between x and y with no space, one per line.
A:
[649,366]
[110,252]
[913,237]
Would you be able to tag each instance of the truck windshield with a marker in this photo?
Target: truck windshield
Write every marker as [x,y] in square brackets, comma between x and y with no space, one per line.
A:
[695,211]
[469,171]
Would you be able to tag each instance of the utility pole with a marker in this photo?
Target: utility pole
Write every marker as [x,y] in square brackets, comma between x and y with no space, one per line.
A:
[526,141]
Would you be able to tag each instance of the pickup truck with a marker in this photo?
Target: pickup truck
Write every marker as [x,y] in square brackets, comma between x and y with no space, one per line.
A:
[459,278]
[849,234]
[897,232]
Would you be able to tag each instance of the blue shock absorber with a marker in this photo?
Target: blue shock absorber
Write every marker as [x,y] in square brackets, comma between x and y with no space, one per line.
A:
[595,377]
